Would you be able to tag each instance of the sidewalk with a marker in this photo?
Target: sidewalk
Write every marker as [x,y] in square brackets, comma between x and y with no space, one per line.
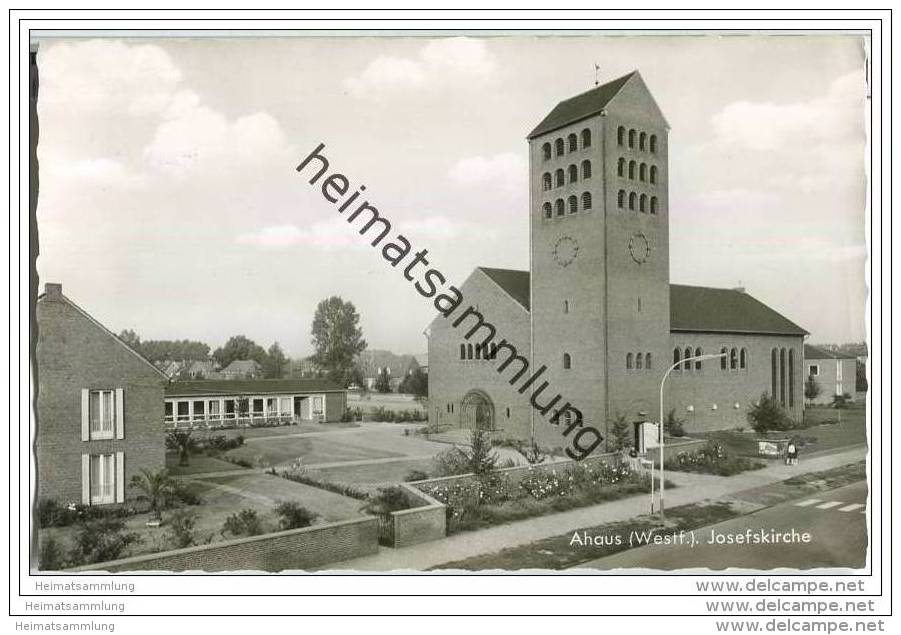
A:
[691,488]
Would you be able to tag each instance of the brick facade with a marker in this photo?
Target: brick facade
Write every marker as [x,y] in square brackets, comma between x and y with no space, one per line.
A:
[74,353]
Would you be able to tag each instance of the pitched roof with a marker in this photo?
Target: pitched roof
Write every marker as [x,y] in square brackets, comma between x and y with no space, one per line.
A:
[513,281]
[248,387]
[243,365]
[815,352]
[694,309]
[581,106]
[708,309]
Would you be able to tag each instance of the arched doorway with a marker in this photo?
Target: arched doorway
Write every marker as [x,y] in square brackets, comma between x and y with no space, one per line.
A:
[477,411]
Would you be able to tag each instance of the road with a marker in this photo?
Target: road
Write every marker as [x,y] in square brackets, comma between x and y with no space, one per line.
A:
[834,519]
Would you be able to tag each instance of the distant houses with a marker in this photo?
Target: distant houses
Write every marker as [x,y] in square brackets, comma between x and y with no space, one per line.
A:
[835,372]
[242,369]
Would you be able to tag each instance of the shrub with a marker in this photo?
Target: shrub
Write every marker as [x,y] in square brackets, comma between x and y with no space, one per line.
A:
[293,516]
[52,514]
[101,540]
[222,443]
[337,488]
[713,458]
[184,494]
[768,415]
[673,425]
[416,475]
[181,528]
[531,452]
[51,556]
[388,499]
[243,523]
[620,434]
[841,401]
[184,442]
[158,489]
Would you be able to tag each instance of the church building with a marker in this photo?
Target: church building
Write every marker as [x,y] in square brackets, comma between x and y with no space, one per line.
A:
[597,308]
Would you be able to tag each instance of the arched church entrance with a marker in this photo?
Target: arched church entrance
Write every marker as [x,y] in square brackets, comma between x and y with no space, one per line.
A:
[477,411]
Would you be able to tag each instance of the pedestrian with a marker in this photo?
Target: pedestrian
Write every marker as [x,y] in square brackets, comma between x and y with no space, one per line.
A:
[791,453]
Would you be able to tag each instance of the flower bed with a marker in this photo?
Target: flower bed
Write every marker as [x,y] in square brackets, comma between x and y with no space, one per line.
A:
[496,498]
[713,458]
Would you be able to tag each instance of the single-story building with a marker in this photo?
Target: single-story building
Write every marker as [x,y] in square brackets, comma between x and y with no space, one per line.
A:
[834,371]
[236,403]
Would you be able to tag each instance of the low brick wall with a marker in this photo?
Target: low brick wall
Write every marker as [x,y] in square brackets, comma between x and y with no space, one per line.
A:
[419,524]
[305,548]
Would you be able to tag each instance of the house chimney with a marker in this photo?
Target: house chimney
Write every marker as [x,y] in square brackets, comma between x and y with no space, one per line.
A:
[53,290]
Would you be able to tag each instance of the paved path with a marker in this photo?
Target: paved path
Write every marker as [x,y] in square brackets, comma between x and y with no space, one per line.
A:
[692,488]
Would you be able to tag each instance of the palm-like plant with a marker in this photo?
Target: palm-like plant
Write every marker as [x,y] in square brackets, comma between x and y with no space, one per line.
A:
[157,488]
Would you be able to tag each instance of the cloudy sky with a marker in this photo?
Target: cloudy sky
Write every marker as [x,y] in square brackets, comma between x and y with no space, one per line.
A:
[170,204]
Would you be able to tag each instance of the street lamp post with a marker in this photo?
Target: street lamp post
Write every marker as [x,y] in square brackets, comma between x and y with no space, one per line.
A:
[696,358]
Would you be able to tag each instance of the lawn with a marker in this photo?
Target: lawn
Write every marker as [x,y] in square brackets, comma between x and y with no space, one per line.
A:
[390,401]
[822,432]
[370,477]
[268,452]
[198,464]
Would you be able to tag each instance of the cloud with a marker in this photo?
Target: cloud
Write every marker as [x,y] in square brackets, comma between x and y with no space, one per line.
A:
[325,235]
[506,171]
[439,63]
[107,76]
[765,126]
[93,172]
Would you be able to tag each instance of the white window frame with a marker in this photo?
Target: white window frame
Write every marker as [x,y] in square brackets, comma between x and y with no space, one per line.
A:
[107,427]
[318,405]
[838,371]
[107,475]
[813,370]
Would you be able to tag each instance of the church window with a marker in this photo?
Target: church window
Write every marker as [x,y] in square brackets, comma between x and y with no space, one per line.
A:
[586,200]
[643,203]
[620,136]
[558,147]
[653,143]
[567,361]
[653,174]
[559,177]
[654,206]
[686,365]
[639,361]
[586,138]
[632,200]
[547,210]
[573,173]
[546,151]
[566,306]
[647,361]
[773,372]
[586,169]
[698,353]
[643,172]
[632,166]
[462,351]
[559,208]
[508,412]
[782,376]
[723,362]
[546,181]
[621,167]
[743,359]
[573,205]
[677,357]
[628,361]
[469,351]
[791,377]
[733,359]
[642,140]
[631,138]
[573,142]
[621,199]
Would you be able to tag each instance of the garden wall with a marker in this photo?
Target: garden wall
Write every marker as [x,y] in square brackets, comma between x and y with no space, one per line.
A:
[418,524]
[305,548]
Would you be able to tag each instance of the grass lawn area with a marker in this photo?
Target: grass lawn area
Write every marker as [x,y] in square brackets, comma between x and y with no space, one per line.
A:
[824,432]
[370,476]
[199,464]
[267,452]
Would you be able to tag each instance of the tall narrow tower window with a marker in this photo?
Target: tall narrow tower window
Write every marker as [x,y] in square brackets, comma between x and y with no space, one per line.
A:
[643,203]
[632,201]
[677,357]
[723,361]
[558,147]
[546,151]
[573,173]
[621,199]
[628,361]
[586,200]
[559,207]
[632,165]
[559,177]
[647,361]
[653,174]
[643,172]
[621,167]
[653,143]
[685,364]
[653,205]
[586,169]
[573,204]
[639,361]
[567,361]
[546,181]
[620,136]
[548,211]
[573,142]
[631,138]
[642,140]
[698,353]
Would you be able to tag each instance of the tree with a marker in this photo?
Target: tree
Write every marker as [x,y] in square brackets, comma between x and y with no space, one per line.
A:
[768,415]
[620,435]
[131,338]
[239,347]
[184,442]
[415,383]
[337,338]
[673,425]
[159,350]
[811,388]
[860,383]
[157,488]
[383,381]
[275,363]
